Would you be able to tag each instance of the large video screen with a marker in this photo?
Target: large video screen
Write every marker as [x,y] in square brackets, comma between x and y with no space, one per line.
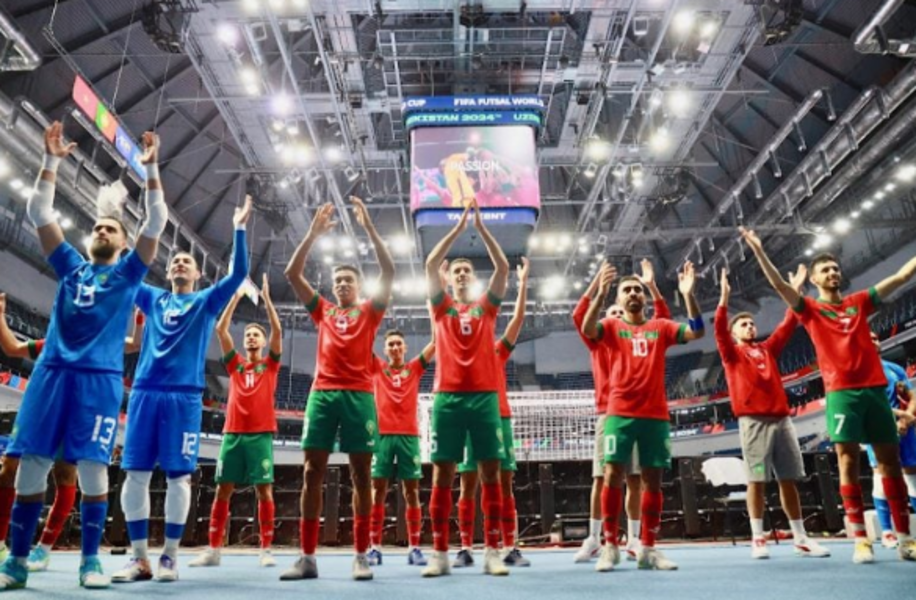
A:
[450,166]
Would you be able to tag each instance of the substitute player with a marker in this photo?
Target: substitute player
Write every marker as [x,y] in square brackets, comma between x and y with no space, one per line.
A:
[246,454]
[75,392]
[857,409]
[468,468]
[164,408]
[397,390]
[769,442]
[902,400]
[638,407]
[341,397]
[601,368]
[466,399]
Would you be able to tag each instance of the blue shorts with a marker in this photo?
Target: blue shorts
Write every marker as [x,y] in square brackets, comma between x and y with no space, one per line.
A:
[907,450]
[68,414]
[162,428]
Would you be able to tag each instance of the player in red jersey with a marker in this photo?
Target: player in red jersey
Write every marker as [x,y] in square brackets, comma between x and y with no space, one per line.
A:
[341,396]
[466,399]
[769,442]
[397,390]
[857,408]
[638,407]
[601,368]
[64,473]
[467,500]
[246,455]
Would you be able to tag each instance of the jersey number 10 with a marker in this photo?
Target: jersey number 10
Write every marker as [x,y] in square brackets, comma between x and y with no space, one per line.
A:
[640,347]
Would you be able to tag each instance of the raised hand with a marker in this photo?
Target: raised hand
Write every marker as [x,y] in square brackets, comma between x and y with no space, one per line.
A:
[751,239]
[686,279]
[240,217]
[725,287]
[150,142]
[265,289]
[607,273]
[798,279]
[522,271]
[648,272]
[54,141]
[478,219]
[362,214]
[323,221]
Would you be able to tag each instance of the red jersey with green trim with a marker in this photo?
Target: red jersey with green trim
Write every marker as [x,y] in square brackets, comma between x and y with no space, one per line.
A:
[35,348]
[842,339]
[252,386]
[503,351]
[397,392]
[345,359]
[637,354]
[466,361]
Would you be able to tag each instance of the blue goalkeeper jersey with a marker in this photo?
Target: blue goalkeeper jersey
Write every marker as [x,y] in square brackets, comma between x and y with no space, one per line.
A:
[895,375]
[91,312]
[179,326]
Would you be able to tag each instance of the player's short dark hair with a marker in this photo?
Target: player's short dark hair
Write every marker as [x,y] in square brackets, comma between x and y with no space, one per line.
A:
[822,258]
[460,259]
[395,332]
[348,267]
[627,278]
[117,220]
[738,317]
[257,326]
[183,253]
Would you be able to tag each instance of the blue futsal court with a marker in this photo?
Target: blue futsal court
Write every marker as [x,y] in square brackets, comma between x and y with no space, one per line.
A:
[710,572]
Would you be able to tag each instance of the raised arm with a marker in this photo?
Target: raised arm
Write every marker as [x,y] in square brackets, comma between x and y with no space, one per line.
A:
[157,213]
[686,281]
[222,326]
[440,251]
[134,342]
[782,287]
[783,332]
[276,329]
[226,287]
[9,343]
[321,224]
[888,286]
[518,316]
[724,340]
[40,207]
[385,262]
[500,278]
[648,279]
[606,276]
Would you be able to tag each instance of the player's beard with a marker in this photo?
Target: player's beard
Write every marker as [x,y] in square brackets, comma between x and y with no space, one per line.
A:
[102,251]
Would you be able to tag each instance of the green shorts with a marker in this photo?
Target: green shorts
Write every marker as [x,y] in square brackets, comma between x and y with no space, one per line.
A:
[458,416]
[352,412]
[653,436]
[246,459]
[402,449]
[507,463]
[861,416]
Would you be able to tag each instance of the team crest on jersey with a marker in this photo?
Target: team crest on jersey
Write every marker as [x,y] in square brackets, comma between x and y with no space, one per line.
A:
[852,310]
[102,278]
[476,312]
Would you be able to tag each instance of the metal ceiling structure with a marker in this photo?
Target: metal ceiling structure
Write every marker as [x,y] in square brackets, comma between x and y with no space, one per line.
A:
[669,122]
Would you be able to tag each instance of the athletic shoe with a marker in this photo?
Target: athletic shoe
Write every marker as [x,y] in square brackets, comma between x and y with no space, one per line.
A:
[168,569]
[492,564]
[91,575]
[608,559]
[266,558]
[416,558]
[13,576]
[136,570]
[39,559]
[808,547]
[652,559]
[361,570]
[514,558]
[588,550]
[759,548]
[889,540]
[463,559]
[906,549]
[375,557]
[208,558]
[632,549]
[863,553]
[305,567]
[4,551]
[438,565]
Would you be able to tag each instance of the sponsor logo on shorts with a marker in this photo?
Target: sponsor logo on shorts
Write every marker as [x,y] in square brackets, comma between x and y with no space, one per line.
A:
[370,427]
[759,468]
[265,464]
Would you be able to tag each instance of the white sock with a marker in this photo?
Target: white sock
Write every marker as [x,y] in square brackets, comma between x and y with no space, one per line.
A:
[798,530]
[633,528]
[757,528]
[596,528]
[171,547]
[910,479]
[46,547]
[140,549]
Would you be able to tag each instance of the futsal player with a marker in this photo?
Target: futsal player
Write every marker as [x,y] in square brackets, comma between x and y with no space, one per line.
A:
[164,408]
[466,399]
[246,453]
[769,442]
[341,396]
[857,409]
[601,367]
[74,395]
[397,390]
[902,400]
[638,407]
[467,470]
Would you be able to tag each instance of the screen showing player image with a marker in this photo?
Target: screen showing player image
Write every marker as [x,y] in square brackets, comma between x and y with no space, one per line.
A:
[451,166]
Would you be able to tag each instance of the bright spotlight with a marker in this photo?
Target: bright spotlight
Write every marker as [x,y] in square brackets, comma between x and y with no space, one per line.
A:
[277,125]
[533,242]
[708,29]
[277,4]
[868,205]
[371,287]
[890,187]
[293,129]
[577,285]
[591,170]
[17,184]
[282,104]
[333,154]
[251,6]
[326,243]
[303,154]
[683,21]
[345,242]
[660,141]
[854,214]
[678,101]
[66,223]
[842,225]
[880,195]
[565,241]
[809,252]
[328,259]
[348,253]
[822,240]
[583,249]
[227,34]
[906,173]
[598,149]
[401,244]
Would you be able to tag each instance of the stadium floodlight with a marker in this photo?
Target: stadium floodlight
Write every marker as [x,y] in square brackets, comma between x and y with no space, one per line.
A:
[251,6]
[880,195]
[660,141]
[533,242]
[906,173]
[583,249]
[328,259]
[890,187]
[277,4]
[282,104]
[620,171]
[349,253]
[598,149]
[822,240]
[842,225]
[565,240]
[66,223]
[371,287]
[293,128]
[326,243]
[868,205]
[277,125]
[683,21]
[655,100]
[809,252]
[227,33]
[345,242]
[401,244]
[304,154]
[333,154]
[709,28]
[284,183]
[591,170]
[854,214]
[678,101]
[640,26]
[17,184]
[577,285]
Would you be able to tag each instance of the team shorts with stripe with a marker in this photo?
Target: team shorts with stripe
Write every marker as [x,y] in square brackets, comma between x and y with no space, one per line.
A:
[163,428]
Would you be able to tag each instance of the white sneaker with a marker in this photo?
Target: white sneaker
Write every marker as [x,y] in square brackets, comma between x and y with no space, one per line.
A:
[653,560]
[608,559]
[863,554]
[266,558]
[808,547]
[305,567]
[361,570]
[889,540]
[168,569]
[588,550]
[438,565]
[493,564]
[759,548]
[208,558]
[632,549]
[906,549]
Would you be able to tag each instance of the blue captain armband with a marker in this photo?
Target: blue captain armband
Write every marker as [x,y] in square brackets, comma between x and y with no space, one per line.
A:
[696,324]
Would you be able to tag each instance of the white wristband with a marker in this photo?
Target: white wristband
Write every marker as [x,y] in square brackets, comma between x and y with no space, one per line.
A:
[152,170]
[241,227]
[49,162]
